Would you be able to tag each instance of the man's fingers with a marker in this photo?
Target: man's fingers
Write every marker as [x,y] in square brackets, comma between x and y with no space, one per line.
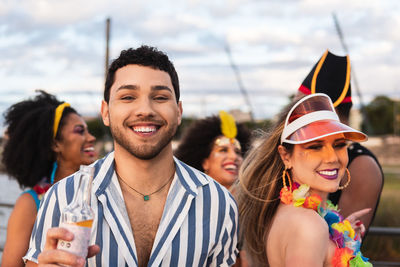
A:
[51,256]
[55,257]
[54,234]
[357,214]
[93,250]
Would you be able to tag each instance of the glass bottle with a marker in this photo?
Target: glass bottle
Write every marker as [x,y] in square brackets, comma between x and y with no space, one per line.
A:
[77,217]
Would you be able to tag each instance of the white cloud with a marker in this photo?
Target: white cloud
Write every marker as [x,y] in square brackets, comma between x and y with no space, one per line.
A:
[59,45]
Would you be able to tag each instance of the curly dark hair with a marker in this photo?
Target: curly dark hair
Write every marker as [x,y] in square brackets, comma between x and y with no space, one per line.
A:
[197,141]
[145,56]
[28,156]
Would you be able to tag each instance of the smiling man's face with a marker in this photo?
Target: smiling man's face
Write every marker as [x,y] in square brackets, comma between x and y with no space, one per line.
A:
[142,113]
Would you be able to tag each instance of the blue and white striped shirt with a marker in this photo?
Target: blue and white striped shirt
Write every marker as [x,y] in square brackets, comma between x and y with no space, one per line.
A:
[199,225]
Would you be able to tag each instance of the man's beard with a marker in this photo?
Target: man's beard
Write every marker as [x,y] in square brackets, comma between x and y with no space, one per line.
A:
[143,151]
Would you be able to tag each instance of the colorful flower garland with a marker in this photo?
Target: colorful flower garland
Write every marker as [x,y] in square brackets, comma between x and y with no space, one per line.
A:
[41,188]
[347,252]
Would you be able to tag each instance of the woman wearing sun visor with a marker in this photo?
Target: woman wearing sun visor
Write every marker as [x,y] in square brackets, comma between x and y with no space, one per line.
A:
[286,217]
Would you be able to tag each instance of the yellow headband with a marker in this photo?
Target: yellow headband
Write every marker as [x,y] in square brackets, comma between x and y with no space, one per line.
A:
[57,117]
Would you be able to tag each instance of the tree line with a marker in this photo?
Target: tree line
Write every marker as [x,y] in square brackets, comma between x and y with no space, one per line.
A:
[383,114]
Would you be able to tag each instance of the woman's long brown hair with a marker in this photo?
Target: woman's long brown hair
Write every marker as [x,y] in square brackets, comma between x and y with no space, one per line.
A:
[258,194]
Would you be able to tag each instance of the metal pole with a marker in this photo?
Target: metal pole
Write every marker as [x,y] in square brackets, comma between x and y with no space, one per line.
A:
[239,80]
[355,81]
[395,117]
[108,21]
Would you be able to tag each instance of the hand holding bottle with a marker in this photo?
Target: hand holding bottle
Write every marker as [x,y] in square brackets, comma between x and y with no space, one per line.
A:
[68,245]
[52,255]
[78,216]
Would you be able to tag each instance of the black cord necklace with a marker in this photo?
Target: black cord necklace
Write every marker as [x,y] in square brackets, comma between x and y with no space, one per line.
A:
[147,197]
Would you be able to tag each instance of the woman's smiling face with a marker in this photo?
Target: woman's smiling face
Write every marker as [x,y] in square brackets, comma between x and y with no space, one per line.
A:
[223,162]
[76,146]
[321,163]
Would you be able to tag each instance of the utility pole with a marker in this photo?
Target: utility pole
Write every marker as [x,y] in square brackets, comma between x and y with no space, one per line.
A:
[108,21]
[239,80]
[395,117]
[353,74]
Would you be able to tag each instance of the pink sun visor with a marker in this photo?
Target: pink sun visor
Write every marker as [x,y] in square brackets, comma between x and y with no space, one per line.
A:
[314,117]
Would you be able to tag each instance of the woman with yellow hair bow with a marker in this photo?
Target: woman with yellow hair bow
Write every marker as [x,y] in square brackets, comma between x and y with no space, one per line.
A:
[215,145]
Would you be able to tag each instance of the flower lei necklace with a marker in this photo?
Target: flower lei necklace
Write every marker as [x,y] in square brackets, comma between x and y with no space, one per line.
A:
[41,188]
[347,252]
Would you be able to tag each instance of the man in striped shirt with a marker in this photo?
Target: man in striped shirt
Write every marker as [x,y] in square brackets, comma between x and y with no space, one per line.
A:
[150,208]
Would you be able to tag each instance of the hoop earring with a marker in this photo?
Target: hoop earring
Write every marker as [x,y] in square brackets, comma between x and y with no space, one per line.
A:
[348,181]
[284,173]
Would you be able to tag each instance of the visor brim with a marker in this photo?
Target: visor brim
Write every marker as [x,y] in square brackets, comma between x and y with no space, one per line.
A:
[323,128]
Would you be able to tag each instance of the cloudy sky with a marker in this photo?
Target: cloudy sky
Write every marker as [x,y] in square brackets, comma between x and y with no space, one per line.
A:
[59,46]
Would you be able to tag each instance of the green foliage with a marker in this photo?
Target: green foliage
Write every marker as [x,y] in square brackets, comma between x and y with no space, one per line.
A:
[380,112]
[263,124]
[102,133]
[98,129]
[386,247]
[181,129]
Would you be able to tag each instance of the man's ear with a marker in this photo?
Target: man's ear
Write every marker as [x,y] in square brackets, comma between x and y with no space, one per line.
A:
[180,110]
[285,156]
[104,113]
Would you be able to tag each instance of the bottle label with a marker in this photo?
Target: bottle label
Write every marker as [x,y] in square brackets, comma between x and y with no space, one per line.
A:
[79,245]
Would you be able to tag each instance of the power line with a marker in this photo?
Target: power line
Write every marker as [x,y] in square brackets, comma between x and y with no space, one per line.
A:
[353,74]
[239,80]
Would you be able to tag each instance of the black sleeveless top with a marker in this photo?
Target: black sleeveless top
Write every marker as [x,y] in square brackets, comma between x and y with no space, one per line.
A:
[355,150]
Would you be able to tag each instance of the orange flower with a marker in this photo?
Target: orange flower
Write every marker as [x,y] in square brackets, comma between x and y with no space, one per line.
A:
[312,202]
[342,257]
[286,196]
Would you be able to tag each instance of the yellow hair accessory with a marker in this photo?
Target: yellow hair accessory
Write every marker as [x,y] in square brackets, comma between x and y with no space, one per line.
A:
[228,125]
[57,117]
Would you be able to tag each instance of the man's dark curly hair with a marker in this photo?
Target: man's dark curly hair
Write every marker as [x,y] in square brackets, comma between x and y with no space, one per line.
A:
[28,156]
[198,141]
[144,56]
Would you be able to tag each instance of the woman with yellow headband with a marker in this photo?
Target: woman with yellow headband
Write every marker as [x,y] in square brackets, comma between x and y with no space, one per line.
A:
[46,140]
[215,145]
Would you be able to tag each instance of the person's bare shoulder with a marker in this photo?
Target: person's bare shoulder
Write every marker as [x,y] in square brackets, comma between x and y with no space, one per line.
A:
[22,217]
[300,219]
[365,165]
[298,233]
[25,206]
[19,228]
